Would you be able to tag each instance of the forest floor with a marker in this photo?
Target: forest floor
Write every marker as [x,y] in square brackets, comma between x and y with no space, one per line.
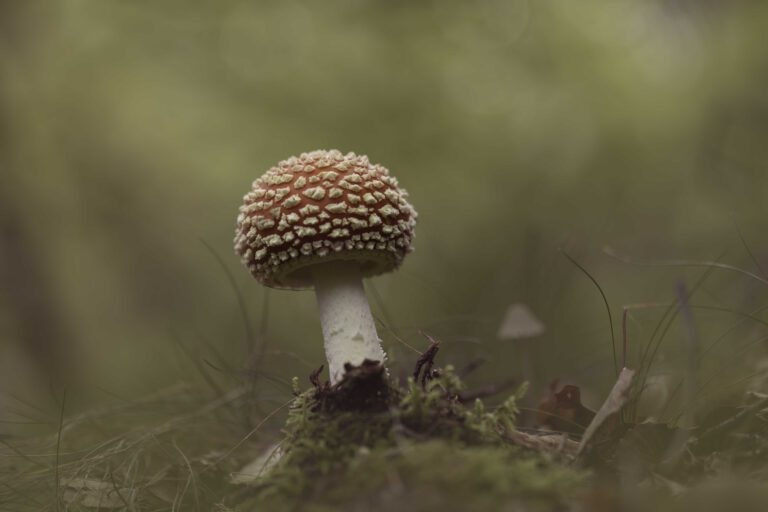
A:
[366,444]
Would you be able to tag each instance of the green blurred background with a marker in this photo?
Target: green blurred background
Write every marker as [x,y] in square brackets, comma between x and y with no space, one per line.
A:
[130,130]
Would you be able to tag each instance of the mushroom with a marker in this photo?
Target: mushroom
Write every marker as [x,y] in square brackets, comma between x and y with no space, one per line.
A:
[519,325]
[326,220]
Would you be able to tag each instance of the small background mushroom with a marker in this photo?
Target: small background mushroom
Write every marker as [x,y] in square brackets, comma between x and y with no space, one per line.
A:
[521,326]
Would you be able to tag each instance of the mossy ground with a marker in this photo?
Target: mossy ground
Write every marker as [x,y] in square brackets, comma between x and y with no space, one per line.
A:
[368,444]
[419,449]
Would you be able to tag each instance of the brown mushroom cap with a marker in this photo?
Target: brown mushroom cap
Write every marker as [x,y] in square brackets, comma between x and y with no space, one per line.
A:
[318,207]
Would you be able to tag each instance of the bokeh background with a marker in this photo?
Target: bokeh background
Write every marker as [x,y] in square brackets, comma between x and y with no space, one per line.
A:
[130,130]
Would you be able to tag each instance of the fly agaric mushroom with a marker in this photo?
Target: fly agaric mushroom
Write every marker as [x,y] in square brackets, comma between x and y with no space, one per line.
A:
[325,220]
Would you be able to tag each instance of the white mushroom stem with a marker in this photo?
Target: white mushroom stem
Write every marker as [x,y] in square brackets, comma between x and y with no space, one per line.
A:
[348,327]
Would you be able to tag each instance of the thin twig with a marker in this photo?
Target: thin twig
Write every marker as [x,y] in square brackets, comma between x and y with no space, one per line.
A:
[426,361]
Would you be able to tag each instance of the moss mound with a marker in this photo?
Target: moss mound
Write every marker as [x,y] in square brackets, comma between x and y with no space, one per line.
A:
[412,448]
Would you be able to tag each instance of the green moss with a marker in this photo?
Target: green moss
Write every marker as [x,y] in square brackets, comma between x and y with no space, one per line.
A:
[425,447]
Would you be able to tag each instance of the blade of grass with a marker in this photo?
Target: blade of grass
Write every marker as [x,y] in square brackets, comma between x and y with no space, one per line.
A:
[685,263]
[749,251]
[217,390]
[250,339]
[692,350]
[192,480]
[607,307]
[661,329]
[22,495]
[116,489]
[709,348]
[58,447]
[253,431]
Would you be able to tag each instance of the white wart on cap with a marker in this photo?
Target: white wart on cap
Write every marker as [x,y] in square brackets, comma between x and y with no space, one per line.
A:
[319,207]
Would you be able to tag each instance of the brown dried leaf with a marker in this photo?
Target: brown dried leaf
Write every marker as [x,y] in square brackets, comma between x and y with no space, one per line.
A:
[561,410]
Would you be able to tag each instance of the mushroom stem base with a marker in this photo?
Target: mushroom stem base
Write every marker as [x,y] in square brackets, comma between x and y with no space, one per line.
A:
[348,327]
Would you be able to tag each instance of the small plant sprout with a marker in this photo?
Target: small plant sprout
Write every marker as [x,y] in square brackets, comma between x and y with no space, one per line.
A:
[326,220]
